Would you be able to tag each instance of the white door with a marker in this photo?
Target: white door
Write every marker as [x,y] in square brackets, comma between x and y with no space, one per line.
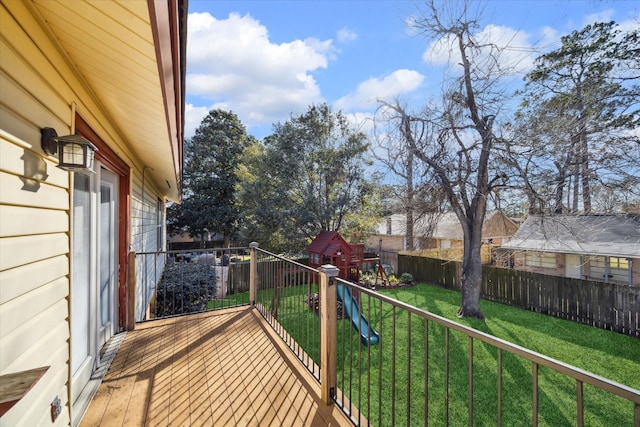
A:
[573,266]
[82,283]
[107,255]
[94,268]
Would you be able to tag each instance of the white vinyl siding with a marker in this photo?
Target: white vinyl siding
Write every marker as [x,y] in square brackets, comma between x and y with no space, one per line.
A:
[147,209]
[34,217]
[41,89]
[34,285]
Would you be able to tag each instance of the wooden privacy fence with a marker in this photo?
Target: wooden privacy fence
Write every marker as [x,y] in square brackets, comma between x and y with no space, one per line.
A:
[603,305]
[451,254]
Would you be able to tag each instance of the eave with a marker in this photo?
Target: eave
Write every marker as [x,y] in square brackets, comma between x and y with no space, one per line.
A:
[130,58]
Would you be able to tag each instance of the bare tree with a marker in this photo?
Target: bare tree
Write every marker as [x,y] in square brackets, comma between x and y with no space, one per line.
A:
[412,185]
[455,138]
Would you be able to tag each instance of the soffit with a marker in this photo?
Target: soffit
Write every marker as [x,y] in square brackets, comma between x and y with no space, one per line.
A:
[111,46]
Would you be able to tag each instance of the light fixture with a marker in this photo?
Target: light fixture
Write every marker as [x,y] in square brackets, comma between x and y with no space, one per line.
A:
[74,152]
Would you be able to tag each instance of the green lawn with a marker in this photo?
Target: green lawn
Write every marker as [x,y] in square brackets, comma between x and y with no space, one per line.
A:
[233,300]
[608,354]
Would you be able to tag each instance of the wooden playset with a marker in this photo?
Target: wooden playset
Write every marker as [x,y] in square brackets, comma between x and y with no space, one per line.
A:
[330,248]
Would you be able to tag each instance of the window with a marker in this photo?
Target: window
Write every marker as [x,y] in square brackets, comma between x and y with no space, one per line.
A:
[618,263]
[619,269]
[540,259]
[609,269]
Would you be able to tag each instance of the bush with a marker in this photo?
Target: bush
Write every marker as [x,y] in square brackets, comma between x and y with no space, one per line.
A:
[406,278]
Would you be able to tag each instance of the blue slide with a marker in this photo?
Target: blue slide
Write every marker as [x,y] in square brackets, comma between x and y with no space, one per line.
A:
[350,306]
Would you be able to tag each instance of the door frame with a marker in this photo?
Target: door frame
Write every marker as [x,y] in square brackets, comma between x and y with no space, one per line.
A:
[115,164]
[106,156]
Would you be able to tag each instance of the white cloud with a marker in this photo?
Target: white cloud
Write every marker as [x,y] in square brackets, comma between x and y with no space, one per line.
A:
[233,60]
[192,118]
[602,16]
[361,121]
[549,39]
[368,92]
[345,35]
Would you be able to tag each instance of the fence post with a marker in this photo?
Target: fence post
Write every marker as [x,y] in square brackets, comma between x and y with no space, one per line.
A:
[328,320]
[253,272]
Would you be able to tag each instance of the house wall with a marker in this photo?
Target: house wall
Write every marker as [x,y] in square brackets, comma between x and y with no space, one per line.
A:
[497,228]
[518,259]
[148,216]
[39,89]
[389,242]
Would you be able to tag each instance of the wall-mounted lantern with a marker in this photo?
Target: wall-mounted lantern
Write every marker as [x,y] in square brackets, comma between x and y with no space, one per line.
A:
[74,152]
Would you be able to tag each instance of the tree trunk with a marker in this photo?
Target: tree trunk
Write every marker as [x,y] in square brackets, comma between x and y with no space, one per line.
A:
[586,174]
[576,188]
[559,195]
[471,277]
[471,286]
[409,231]
[410,205]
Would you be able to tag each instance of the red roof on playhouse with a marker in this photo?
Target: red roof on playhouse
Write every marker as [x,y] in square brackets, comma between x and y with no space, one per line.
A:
[330,248]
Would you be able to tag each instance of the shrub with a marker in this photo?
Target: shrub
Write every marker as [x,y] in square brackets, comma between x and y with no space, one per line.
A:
[406,278]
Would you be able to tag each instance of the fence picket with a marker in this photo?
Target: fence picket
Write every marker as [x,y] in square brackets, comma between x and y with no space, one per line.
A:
[604,305]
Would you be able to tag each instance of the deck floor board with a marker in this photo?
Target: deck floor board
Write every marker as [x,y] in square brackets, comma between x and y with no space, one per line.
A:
[222,368]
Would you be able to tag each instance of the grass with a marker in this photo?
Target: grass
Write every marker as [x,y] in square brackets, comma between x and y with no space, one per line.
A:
[241,298]
[609,354]
[377,380]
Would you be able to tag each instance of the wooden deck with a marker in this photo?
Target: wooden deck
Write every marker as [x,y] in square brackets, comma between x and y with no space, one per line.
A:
[223,368]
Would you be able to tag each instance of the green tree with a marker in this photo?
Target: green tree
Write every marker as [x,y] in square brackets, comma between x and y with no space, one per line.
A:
[211,158]
[579,119]
[308,176]
[260,201]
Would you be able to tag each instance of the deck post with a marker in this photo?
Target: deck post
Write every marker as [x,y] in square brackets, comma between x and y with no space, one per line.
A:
[130,322]
[253,272]
[328,329]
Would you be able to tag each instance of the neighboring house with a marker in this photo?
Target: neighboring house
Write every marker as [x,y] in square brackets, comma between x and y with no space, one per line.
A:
[112,73]
[185,240]
[442,232]
[594,247]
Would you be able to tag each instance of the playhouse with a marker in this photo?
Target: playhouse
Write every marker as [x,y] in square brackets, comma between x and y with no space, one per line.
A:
[330,248]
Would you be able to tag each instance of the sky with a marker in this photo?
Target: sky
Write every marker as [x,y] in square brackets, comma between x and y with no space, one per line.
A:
[268,60]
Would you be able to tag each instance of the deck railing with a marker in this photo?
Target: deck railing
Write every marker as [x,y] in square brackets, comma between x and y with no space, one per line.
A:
[284,290]
[170,283]
[382,361]
[389,363]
